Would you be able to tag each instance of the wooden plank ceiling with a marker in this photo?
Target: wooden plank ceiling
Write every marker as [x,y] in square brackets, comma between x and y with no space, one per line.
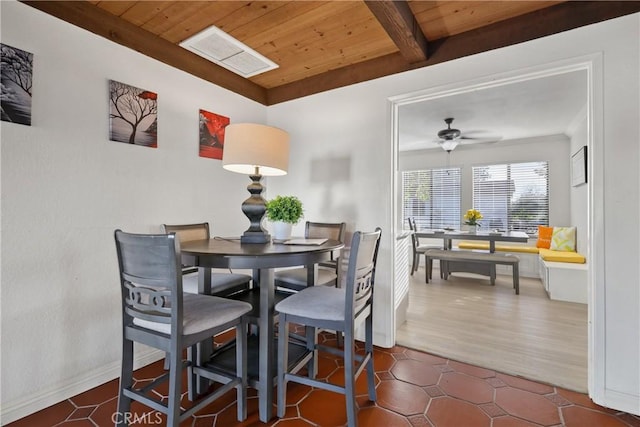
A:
[322,45]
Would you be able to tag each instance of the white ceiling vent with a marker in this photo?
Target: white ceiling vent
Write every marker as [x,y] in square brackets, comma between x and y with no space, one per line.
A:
[219,47]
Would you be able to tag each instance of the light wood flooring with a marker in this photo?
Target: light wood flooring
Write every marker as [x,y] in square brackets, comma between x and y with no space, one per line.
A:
[465,318]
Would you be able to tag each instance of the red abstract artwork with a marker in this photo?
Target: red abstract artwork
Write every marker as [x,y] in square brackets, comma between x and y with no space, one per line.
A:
[212,134]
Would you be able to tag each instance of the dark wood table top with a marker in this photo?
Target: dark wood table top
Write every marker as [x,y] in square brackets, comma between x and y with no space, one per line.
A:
[222,253]
[507,236]
[491,237]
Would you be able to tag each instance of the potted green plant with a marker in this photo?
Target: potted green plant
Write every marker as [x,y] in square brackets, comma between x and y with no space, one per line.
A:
[284,212]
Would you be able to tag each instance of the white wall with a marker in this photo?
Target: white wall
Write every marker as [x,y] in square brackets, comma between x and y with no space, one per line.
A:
[353,124]
[554,149]
[66,187]
[341,168]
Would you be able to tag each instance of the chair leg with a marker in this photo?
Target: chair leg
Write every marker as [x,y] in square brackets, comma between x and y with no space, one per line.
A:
[192,377]
[428,265]
[126,381]
[175,387]
[241,369]
[283,362]
[312,340]
[349,377]
[368,346]
[516,278]
[414,265]
[339,339]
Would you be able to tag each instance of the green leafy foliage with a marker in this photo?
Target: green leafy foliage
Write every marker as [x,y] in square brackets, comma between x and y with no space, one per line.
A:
[285,208]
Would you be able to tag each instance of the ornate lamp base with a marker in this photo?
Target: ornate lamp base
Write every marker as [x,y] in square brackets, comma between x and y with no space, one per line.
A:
[254,208]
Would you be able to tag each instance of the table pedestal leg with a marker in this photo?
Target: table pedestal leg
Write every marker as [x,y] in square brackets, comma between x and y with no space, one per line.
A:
[267,350]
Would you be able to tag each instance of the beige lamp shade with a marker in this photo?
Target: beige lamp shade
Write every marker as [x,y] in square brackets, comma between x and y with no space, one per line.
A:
[247,145]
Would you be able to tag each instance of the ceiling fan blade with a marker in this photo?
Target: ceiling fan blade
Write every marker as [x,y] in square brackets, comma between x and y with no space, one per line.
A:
[486,138]
[475,131]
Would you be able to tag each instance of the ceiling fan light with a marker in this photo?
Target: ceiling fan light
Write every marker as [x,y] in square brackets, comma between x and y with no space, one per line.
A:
[449,145]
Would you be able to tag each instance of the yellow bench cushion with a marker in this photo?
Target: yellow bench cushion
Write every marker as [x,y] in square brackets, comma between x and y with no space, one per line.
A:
[499,248]
[561,256]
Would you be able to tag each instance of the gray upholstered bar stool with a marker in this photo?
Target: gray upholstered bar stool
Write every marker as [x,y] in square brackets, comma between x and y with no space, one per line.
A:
[339,309]
[295,279]
[222,284]
[157,313]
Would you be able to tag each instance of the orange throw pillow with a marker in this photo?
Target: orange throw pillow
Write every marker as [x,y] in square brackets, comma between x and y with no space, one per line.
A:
[544,237]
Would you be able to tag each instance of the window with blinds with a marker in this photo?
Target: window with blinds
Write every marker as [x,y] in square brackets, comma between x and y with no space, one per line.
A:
[432,197]
[512,196]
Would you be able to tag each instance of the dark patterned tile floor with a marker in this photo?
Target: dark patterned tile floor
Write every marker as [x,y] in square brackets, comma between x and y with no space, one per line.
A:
[413,389]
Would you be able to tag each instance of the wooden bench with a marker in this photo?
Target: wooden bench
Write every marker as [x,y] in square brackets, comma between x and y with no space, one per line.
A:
[491,259]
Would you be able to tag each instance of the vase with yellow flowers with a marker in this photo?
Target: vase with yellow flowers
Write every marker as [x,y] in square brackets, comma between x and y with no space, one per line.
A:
[471,219]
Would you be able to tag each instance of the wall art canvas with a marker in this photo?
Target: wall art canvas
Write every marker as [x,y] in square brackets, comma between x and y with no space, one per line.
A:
[16,79]
[133,115]
[212,134]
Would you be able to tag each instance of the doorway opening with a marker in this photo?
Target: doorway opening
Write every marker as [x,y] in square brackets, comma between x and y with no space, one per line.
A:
[471,102]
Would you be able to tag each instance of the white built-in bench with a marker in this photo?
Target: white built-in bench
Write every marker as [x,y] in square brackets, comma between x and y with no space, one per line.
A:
[563,280]
[473,258]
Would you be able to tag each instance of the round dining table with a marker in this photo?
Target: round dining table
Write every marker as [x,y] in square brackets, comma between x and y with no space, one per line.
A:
[262,259]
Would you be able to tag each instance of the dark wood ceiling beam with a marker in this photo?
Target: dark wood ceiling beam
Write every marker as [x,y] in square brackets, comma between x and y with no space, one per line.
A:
[541,23]
[85,15]
[364,71]
[398,21]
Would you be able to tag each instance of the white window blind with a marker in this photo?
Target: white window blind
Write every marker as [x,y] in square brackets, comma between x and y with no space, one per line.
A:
[432,197]
[512,196]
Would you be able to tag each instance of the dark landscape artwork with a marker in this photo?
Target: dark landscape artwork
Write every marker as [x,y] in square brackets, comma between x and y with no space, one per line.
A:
[16,79]
[212,134]
[133,115]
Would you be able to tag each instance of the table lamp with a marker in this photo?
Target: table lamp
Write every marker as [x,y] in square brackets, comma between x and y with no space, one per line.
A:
[255,150]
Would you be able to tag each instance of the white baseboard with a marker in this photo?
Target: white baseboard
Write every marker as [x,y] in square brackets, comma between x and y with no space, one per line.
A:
[619,401]
[20,408]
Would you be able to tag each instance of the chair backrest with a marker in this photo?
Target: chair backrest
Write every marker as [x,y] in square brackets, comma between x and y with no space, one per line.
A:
[414,238]
[361,271]
[327,230]
[150,278]
[188,233]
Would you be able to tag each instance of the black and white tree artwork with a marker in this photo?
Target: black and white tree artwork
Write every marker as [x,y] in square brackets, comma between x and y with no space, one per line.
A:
[16,80]
[133,115]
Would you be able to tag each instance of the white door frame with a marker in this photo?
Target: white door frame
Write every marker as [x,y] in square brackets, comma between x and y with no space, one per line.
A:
[592,64]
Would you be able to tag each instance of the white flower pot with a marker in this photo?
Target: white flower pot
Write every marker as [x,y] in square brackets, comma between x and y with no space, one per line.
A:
[471,228]
[282,230]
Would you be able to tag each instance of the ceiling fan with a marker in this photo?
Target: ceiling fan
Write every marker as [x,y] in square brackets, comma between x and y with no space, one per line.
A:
[449,138]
